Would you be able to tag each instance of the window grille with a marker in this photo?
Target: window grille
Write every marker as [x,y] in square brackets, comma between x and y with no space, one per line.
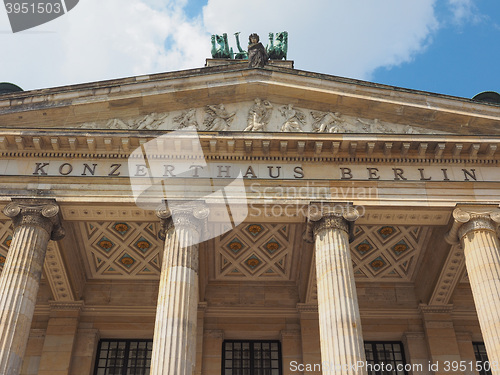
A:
[385,358]
[123,357]
[483,367]
[251,357]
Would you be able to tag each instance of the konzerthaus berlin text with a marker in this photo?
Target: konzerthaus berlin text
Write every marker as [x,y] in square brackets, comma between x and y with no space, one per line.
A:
[231,220]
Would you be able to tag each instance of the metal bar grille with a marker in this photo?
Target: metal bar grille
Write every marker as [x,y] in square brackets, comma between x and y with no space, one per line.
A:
[251,357]
[123,357]
[483,367]
[385,358]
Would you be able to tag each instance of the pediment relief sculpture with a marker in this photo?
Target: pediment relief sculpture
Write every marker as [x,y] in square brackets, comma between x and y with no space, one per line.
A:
[218,118]
[186,119]
[258,115]
[294,119]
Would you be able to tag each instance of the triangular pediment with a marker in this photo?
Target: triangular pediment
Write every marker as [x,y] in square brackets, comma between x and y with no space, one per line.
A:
[322,104]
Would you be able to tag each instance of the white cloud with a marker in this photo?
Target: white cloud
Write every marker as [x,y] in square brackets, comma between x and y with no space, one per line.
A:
[100,40]
[463,10]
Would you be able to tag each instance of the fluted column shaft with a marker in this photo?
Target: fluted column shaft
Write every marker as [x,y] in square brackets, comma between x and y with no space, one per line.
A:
[174,343]
[339,319]
[35,224]
[482,258]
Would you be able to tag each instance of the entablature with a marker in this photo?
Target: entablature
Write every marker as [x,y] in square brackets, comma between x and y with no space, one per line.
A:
[258,146]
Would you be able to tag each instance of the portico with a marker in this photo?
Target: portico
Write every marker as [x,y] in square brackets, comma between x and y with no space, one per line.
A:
[355,243]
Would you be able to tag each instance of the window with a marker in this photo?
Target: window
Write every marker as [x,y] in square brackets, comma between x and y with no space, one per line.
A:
[123,357]
[481,356]
[391,354]
[251,358]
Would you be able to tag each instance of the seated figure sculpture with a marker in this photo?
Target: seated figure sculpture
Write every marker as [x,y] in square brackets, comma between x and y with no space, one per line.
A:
[257,55]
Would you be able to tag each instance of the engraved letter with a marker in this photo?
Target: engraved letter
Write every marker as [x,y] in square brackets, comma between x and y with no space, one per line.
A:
[372,174]
[271,172]
[445,174]
[299,172]
[39,171]
[225,170]
[471,174]
[196,167]
[86,166]
[398,174]
[69,170]
[141,170]
[168,171]
[422,177]
[346,173]
[114,168]
[250,171]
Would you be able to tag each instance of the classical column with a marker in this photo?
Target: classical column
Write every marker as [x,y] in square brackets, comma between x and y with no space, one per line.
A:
[174,344]
[475,226]
[35,222]
[339,319]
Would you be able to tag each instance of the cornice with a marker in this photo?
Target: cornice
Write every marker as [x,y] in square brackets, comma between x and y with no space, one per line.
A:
[246,146]
[200,78]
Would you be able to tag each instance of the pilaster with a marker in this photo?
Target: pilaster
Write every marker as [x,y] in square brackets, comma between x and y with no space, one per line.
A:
[60,338]
[416,352]
[212,354]
[440,334]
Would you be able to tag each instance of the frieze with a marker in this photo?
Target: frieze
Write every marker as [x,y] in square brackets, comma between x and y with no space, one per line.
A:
[251,170]
[260,115]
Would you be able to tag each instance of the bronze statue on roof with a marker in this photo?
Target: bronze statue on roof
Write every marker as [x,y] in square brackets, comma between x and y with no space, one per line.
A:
[257,54]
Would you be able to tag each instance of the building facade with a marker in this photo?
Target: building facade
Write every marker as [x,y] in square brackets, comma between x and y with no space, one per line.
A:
[343,226]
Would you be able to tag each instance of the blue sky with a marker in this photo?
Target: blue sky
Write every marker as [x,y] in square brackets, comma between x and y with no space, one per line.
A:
[461,58]
[444,46]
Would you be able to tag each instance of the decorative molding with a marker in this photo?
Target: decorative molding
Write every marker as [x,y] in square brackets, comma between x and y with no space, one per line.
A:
[450,276]
[74,305]
[413,217]
[435,309]
[307,307]
[290,333]
[250,312]
[335,147]
[57,275]
[37,332]
[86,213]
[414,335]
[214,333]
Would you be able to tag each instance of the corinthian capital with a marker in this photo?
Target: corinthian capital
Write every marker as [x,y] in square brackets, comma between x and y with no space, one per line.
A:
[322,216]
[41,213]
[185,215]
[469,218]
